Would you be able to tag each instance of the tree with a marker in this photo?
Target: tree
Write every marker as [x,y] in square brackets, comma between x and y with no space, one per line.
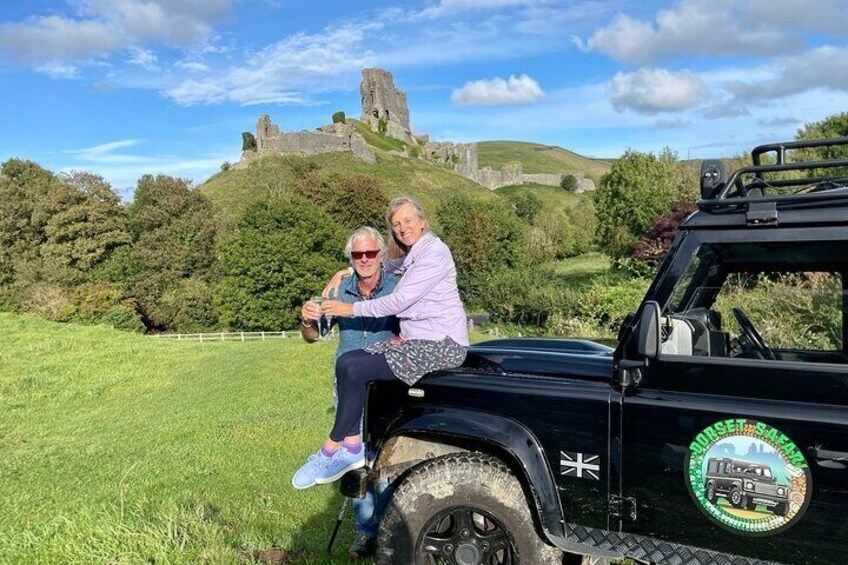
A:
[484,235]
[830,127]
[339,118]
[569,183]
[527,205]
[354,200]
[174,234]
[283,252]
[90,224]
[638,187]
[248,141]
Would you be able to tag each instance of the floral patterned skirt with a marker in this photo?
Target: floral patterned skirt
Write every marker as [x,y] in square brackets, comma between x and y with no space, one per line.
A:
[411,359]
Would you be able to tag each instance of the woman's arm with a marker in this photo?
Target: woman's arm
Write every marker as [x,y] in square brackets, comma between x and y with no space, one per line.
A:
[421,277]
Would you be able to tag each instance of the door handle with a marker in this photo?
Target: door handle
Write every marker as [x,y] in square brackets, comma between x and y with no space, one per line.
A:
[829,459]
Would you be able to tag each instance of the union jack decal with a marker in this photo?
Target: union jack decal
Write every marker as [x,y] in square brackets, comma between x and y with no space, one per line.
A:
[580,465]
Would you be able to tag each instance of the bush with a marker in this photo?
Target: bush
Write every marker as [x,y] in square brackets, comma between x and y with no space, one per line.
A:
[248,141]
[382,126]
[354,200]
[484,236]
[653,246]
[339,118]
[638,188]
[569,183]
[414,151]
[526,204]
[189,307]
[283,252]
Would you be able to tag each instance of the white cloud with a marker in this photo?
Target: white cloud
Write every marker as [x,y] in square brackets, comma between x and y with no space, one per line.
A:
[649,91]
[105,153]
[824,67]
[105,26]
[453,7]
[286,71]
[497,91]
[192,66]
[143,58]
[56,69]
[54,38]
[703,27]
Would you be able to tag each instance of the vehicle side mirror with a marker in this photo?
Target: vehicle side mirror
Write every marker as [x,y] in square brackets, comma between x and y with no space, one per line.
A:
[649,331]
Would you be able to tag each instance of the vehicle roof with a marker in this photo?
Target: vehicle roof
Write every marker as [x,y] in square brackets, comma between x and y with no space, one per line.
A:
[826,207]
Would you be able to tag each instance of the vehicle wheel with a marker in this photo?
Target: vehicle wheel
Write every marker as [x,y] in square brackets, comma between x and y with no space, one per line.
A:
[461,508]
[736,497]
[780,509]
[711,492]
[750,505]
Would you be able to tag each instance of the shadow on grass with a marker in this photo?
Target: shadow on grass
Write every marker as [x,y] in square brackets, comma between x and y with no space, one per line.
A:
[315,532]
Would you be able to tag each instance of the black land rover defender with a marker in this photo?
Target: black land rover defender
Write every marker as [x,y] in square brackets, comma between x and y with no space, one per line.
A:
[539,449]
[745,484]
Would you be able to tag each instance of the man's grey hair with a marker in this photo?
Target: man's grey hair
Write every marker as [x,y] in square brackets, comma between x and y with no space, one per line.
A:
[362,233]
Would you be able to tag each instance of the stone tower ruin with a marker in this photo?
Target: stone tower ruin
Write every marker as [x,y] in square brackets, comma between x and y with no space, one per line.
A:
[382,101]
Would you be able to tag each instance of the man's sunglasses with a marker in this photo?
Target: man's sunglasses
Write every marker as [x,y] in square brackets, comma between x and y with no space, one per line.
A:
[357,255]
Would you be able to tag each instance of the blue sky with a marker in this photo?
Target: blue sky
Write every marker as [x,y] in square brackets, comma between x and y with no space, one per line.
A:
[127,87]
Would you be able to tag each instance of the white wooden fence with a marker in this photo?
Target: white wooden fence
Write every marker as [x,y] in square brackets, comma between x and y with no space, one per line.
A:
[236,336]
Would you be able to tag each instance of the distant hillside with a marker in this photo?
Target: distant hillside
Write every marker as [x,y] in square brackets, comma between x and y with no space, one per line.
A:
[536,158]
[233,190]
[551,196]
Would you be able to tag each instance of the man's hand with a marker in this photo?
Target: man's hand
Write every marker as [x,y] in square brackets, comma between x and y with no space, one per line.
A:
[337,308]
[310,312]
[332,288]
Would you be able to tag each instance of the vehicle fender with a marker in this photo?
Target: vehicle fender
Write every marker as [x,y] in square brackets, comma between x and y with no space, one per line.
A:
[507,436]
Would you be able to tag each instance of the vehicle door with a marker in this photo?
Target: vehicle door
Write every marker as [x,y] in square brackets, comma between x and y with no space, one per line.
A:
[735,437]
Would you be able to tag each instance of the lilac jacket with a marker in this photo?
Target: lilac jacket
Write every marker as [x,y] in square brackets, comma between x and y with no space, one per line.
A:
[426,299]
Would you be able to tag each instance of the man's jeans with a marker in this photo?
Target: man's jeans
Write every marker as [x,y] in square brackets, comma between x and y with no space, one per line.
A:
[367,511]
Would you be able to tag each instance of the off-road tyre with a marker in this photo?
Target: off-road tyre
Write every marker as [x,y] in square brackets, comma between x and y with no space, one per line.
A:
[782,509]
[711,492]
[438,494]
[736,497]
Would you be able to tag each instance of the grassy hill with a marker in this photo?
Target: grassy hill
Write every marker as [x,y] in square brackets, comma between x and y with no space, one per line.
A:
[551,196]
[118,448]
[536,158]
[232,191]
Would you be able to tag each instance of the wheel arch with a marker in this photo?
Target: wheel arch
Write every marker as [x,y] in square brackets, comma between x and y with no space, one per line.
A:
[432,433]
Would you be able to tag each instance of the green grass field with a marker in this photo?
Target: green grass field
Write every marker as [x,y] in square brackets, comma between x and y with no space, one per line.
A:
[535,158]
[117,448]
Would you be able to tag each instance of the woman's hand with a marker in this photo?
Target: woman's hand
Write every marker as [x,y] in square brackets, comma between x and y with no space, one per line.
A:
[337,308]
[332,288]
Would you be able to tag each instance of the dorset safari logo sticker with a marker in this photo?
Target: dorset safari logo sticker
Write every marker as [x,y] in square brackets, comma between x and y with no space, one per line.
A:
[748,477]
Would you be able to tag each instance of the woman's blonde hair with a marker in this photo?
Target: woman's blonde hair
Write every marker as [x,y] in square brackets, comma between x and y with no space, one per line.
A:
[397,248]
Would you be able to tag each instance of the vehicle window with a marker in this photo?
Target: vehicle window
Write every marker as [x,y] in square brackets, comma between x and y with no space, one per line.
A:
[773,302]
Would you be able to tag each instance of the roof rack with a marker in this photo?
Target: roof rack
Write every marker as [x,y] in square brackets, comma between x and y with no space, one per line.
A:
[718,189]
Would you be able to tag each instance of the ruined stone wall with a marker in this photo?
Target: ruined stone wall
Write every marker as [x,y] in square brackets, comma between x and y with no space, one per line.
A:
[334,138]
[461,156]
[510,174]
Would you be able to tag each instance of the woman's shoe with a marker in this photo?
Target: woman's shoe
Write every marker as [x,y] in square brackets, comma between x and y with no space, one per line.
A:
[320,469]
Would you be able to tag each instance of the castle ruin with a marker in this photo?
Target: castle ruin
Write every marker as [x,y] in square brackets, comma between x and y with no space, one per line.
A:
[384,109]
[330,139]
[383,103]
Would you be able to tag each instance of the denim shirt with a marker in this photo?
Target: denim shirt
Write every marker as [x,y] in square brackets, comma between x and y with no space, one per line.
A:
[356,333]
